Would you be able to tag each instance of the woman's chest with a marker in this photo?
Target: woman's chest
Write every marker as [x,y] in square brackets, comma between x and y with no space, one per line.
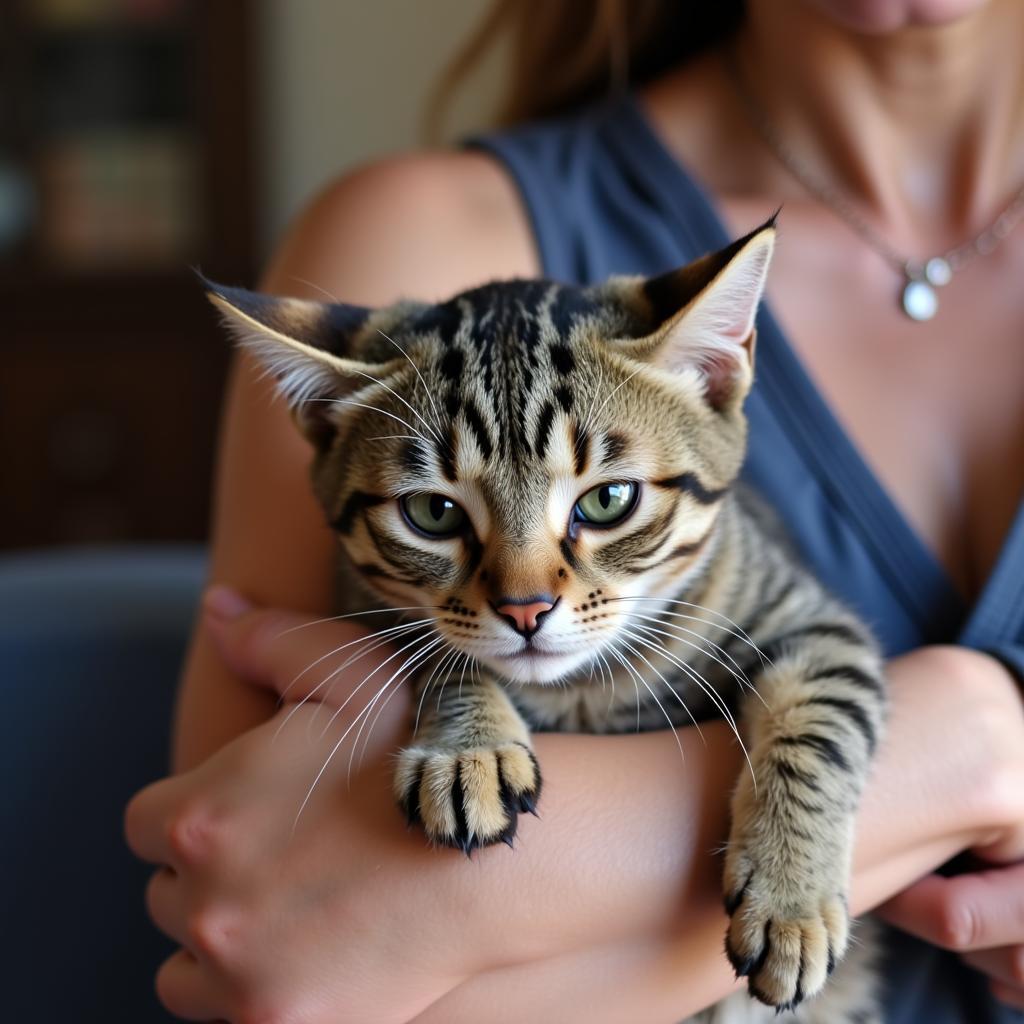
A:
[936,409]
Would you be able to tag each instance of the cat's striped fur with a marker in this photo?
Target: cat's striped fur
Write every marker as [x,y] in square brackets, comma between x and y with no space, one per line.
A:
[509,410]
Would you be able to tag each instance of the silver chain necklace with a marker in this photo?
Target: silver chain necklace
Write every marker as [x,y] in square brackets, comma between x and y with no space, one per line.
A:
[918,297]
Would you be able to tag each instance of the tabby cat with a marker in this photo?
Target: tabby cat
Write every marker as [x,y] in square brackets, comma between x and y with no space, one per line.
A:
[546,475]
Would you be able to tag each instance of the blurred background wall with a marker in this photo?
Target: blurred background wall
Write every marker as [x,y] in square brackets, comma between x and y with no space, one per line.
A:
[139,138]
[346,78]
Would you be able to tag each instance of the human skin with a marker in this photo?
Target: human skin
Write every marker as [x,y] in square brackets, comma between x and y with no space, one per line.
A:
[942,114]
[604,928]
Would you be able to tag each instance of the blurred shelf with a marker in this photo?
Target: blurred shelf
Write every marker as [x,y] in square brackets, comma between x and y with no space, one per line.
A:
[126,159]
[129,32]
[64,304]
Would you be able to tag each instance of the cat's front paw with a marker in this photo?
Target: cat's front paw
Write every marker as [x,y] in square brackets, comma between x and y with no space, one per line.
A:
[788,926]
[468,798]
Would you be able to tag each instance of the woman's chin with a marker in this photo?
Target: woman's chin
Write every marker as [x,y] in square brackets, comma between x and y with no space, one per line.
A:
[876,17]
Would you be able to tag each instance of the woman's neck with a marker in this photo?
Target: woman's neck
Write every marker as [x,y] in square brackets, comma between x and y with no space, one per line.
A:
[923,127]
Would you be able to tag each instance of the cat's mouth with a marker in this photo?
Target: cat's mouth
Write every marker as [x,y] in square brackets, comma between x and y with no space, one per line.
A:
[536,665]
[535,653]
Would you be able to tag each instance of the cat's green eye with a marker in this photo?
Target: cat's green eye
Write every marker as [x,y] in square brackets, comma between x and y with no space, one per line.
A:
[607,504]
[433,514]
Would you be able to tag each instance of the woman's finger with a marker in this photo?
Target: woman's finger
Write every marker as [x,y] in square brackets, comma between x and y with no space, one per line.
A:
[1004,964]
[980,910]
[186,989]
[295,655]
[1008,994]
[149,822]
[165,905]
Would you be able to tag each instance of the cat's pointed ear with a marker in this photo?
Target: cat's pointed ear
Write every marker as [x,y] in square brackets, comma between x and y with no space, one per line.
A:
[301,344]
[706,312]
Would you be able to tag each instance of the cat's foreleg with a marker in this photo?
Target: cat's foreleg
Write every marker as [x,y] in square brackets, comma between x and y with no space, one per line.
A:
[471,771]
[812,728]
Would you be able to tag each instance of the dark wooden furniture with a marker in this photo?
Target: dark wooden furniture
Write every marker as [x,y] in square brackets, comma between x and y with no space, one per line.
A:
[126,158]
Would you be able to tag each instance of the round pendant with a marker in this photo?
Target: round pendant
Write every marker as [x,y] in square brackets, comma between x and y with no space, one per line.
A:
[919,300]
[938,272]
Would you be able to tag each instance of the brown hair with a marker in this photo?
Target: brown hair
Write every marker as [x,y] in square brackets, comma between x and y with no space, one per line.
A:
[565,53]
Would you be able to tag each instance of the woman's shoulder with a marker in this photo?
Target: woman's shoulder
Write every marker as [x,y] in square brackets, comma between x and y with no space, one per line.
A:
[419,224]
[546,196]
[432,222]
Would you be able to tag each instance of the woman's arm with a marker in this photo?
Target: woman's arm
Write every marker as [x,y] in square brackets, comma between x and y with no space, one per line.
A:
[376,926]
[422,226]
[932,794]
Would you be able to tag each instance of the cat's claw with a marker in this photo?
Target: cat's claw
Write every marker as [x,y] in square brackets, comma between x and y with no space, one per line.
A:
[468,798]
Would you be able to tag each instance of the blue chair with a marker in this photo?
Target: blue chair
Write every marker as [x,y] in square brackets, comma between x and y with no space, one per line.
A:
[91,644]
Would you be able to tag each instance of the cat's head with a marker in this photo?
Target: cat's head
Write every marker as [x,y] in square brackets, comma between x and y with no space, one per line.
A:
[525,460]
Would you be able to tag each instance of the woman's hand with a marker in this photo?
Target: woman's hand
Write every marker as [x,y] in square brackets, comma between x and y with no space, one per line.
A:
[306,926]
[979,914]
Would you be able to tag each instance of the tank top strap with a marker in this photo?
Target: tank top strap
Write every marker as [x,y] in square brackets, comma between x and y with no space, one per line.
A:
[591,185]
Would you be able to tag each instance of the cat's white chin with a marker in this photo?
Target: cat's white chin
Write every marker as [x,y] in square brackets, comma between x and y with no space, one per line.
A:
[538,667]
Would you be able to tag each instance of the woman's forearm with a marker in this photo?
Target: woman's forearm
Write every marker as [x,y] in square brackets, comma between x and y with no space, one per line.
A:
[612,900]
[610,908]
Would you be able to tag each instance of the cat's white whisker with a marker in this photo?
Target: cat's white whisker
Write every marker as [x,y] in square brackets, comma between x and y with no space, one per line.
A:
[450,674]
[708,690]
[701,644]
[355,742]
[606,668]
[358,656]
[371,641]
[632,673]
[357,615]
[445,674]
[366,637]
[702,637]
[616,390]
[373,724]
[380,638]
[671,689]
[736,630]
[374,671]
[425,689]
[654,697]
[352,725]
[597,394]
[465,662]
[373,408]
[734,669]
[693,675]
[444,682]
[426,390]
[411,408]
[319,288]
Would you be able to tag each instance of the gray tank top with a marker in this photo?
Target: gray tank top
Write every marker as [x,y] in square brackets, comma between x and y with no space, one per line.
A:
[604,196]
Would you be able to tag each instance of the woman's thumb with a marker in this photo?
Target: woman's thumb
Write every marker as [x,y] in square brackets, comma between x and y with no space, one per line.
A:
[288,652]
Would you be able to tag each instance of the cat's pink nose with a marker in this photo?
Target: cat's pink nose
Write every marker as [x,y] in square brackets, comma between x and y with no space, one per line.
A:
[524,616]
